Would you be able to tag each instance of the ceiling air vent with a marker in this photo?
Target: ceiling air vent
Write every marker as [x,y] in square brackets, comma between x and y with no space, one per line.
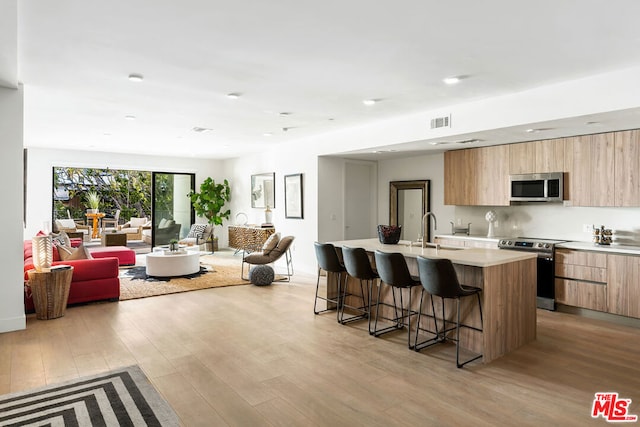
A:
[441,122]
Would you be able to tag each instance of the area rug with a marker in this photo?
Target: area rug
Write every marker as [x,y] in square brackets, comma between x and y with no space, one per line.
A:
[122,397]
[214,272]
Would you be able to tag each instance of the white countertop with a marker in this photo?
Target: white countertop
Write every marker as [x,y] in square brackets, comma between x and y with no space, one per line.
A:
[477,257]
[589,246]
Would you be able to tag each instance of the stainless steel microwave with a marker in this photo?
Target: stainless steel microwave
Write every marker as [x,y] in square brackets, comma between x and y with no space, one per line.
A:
[536,187]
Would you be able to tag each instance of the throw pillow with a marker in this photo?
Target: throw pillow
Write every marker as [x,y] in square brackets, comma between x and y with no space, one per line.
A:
[137,222]
[66,223]
[162,223]
[61,239]
[70,254]
[197,230]
[271,243]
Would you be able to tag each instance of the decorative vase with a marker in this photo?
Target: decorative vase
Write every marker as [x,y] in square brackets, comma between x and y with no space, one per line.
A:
[42,247]
[491,217]
[173,246]
[268,215]
[389,234]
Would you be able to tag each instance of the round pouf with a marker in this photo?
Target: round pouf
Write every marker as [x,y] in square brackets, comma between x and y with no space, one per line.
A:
[261,275]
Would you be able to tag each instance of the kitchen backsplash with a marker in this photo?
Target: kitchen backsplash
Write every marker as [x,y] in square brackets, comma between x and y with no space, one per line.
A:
[551,221]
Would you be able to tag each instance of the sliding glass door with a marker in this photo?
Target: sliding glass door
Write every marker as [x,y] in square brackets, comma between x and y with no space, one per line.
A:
[171,207]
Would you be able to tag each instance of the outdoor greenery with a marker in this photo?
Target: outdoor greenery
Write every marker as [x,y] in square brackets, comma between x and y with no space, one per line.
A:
[129,191]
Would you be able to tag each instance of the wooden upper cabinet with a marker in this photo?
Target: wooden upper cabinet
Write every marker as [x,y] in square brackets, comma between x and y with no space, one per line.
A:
[492,184]
[627,168]
[537,157]
[589,162]
[549,156]
[459,170]
[477,176]
[522,158]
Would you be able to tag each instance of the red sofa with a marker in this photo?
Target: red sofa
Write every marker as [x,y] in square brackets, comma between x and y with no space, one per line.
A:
[93,279]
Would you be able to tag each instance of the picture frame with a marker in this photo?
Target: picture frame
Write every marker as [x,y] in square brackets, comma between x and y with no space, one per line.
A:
[293,196]
[263,190]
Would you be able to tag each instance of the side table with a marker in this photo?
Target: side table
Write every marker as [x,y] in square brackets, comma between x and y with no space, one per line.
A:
[113,239]
[50,290]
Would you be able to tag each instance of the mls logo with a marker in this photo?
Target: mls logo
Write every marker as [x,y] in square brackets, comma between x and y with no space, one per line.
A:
[612,408]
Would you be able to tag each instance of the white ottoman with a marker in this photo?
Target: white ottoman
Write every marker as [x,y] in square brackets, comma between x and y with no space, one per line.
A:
[168,265]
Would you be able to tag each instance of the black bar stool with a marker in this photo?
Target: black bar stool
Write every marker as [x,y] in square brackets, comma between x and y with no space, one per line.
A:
[358,266]
[439,278]
[328,261]
[393,270]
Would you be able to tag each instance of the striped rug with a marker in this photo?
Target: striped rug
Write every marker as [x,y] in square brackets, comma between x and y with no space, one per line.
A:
[123,397]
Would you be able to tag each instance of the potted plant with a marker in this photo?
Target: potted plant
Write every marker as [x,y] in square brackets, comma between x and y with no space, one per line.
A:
[173,245]
[93,200]
[210,201]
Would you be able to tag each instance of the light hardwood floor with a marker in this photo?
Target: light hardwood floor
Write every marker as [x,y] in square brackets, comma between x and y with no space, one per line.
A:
[253,356]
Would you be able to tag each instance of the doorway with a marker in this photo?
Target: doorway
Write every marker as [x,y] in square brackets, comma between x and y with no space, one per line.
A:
[360,201]
[171,206]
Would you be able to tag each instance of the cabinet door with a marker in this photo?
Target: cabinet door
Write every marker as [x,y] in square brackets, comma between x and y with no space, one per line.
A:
[603,172]
[589,161]
[459,177]
[623,285]
[522,158]
[492,177]
[627,168]
[581,294]
[549,156]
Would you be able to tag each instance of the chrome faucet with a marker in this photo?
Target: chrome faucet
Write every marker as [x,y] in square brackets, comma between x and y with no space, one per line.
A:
[425,227]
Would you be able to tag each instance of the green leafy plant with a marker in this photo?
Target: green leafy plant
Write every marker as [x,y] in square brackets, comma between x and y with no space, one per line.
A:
[93,199]
[210,201]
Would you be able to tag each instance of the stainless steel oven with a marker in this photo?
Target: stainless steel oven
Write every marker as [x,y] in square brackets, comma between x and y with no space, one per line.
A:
[545,249]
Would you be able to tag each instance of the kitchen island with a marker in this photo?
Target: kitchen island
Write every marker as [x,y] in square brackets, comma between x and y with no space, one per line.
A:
[508,282]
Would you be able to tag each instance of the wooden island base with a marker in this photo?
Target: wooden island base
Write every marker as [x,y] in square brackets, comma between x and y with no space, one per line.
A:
[508,297]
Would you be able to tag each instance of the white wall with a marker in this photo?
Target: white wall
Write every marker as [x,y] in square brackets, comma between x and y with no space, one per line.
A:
[283,160]
[11,261]
[41,161]
[429,167]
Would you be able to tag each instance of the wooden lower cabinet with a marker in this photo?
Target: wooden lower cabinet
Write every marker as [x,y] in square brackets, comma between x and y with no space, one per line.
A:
[581,294]
[581,279]
[623,285]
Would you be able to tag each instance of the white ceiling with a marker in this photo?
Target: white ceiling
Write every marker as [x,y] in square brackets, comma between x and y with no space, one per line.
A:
[316,60]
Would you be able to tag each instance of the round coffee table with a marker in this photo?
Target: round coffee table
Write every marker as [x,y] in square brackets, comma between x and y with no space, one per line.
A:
[164,264]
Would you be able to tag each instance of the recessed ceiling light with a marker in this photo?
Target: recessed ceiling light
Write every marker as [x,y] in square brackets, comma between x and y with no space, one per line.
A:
[130,117]
[198,129]
[136,77]
[451,80]
[267,134]
[233,95]
[369,101]
[439,142]
[592,123]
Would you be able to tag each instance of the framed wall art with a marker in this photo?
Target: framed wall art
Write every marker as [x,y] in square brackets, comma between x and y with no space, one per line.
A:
[263,190]
[293,200]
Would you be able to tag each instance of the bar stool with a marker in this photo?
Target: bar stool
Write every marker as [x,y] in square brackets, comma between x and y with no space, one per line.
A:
[439,278]
[328,261]
[393,270]
[358,266]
